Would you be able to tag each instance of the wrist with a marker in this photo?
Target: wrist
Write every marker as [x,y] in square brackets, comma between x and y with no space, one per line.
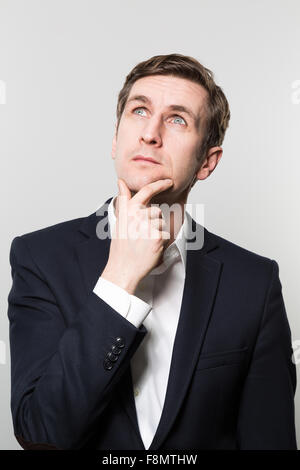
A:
[120,279]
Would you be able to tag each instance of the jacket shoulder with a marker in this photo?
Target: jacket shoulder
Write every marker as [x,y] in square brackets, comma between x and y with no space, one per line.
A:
[51,240]
[240,258]
[237,249]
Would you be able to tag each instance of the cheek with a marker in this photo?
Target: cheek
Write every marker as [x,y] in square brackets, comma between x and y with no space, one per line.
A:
[182,166]
[129,126]
[125,142]
[184,157]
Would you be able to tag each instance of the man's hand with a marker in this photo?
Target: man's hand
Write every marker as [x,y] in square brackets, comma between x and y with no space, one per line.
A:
[138,238]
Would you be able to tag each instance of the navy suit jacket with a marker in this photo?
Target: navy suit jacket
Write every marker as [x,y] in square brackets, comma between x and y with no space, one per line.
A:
[232,379]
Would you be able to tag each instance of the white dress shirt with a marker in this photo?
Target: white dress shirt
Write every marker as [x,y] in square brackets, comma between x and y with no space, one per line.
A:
[156,304]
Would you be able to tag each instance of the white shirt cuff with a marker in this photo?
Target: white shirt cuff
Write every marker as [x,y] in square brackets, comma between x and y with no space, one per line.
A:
[129,306]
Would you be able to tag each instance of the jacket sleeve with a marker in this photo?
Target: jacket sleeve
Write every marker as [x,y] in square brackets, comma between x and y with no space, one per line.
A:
[130,306]
[266,416]
[62,376]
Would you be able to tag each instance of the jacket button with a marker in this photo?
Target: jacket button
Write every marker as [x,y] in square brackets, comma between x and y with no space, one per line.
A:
[120,342]
[111,357]
[115,350]
[107,364]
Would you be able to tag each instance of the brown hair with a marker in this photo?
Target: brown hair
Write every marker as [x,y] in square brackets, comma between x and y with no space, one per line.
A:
[216,105]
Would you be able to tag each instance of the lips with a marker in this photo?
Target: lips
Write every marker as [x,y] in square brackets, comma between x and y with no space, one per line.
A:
[142,158]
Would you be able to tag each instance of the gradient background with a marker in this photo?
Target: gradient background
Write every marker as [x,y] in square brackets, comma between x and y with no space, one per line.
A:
[63,63]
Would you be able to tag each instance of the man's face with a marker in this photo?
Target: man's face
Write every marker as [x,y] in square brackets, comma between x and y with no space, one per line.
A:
[152,129]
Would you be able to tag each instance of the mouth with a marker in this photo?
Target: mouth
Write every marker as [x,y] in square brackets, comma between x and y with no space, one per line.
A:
[141,158]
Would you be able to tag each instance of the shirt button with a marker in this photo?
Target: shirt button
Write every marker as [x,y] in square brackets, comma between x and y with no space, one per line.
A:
[136,391]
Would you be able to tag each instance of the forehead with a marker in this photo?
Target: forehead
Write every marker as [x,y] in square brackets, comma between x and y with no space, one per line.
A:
[168,90]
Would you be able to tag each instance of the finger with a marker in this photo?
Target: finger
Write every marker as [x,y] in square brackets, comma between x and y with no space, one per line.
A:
[161,234]
[124,195]
[165,235]
[154,212]
[144,195]
[156,224]
[123,189]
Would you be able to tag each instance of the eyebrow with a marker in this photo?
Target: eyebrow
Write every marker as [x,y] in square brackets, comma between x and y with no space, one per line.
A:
[173,107]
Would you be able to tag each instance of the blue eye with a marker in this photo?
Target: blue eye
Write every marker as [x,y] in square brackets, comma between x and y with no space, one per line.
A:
[175,115]
[138,108]
[179,117]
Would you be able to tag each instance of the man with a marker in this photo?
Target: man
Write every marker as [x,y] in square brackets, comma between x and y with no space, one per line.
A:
[136,342]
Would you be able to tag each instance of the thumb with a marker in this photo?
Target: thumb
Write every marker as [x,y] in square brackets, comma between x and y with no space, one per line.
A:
[123,189]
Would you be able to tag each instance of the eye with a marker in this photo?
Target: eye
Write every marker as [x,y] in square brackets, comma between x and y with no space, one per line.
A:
[141,107]
[179,117]
[175,115]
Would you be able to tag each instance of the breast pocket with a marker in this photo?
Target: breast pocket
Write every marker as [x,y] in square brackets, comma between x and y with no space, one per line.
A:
[221,358]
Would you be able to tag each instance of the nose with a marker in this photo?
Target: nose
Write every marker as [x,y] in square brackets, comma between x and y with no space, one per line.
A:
[151,132]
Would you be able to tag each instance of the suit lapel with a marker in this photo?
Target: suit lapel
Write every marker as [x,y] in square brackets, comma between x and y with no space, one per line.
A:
[200,287]
[92,252]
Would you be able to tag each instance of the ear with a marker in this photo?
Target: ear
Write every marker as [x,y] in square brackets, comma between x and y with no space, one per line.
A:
[213,157]
[114,143]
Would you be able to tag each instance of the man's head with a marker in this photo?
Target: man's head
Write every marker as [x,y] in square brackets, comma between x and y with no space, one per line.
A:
[171,110]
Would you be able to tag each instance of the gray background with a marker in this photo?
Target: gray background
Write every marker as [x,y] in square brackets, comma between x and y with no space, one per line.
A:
[64,62]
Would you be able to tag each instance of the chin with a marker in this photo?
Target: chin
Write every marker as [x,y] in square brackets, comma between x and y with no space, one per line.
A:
[135,183]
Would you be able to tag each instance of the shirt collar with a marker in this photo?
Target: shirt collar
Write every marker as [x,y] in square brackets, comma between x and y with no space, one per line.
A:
[177,249]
